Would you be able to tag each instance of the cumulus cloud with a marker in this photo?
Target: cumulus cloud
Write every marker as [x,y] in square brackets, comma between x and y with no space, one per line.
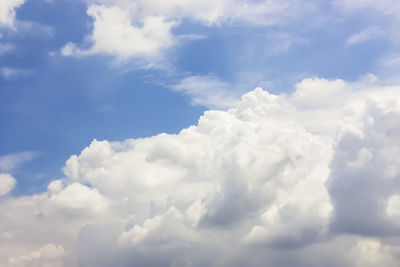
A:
[114,34]
[306,179]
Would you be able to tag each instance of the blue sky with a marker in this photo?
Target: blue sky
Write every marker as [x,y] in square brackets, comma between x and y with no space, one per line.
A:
[56,104]
[199,133]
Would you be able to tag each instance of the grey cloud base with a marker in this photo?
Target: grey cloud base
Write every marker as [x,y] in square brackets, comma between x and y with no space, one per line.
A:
[299,180]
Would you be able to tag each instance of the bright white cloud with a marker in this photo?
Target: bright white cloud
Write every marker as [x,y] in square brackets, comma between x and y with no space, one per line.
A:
[307,178]
[115,34]
[7,12]
[127,29]
[325,93]
[7,183]
[76,200]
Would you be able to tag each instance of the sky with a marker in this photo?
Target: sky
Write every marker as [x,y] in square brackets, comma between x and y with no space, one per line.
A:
[199,133]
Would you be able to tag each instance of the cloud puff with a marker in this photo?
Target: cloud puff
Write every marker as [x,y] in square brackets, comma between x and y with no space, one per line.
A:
[114,34]
[7,12]
[7,183]
[303,179]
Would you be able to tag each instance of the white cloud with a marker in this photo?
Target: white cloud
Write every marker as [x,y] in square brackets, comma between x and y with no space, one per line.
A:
[76,200]
[391,60]
[306,179]
[115,34]
[10,73]
[12,161]
[159,231]
[49,255]
[392,208]
[7,12]
[266,12]
[324,93]
[367,34]
[142,29]
[207,91]
[212,92]
[7,183]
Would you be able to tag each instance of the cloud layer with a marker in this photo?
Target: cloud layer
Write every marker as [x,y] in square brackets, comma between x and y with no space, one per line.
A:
[307,179]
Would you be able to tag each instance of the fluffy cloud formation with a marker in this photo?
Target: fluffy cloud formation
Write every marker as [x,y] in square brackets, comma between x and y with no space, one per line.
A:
[114,34]
[7,12]
[142,29]
[306,179]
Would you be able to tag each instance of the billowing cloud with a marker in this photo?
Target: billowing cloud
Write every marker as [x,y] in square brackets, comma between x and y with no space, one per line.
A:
[306,179]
